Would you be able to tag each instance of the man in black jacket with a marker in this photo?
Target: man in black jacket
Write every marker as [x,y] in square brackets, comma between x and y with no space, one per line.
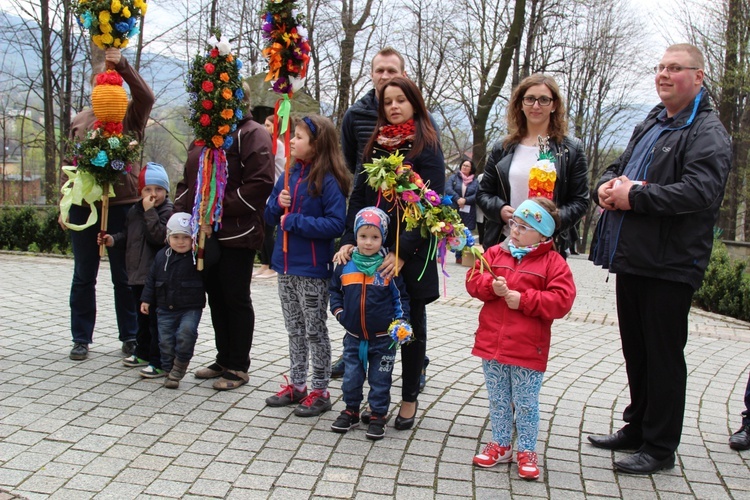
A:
[661,199]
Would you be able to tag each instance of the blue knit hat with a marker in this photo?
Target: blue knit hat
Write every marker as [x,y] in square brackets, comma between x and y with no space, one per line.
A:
[371,216]
[153,174]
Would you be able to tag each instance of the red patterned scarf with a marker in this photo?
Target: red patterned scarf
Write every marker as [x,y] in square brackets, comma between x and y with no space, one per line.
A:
[391,137]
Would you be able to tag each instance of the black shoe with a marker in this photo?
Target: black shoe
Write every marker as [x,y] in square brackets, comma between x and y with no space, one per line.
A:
[641,462]
[740,440]
[337,368]
[365,416]
[403,424]
[423,375]
[376,429]
[128,347]
[616,441]
[79,352]
[346,420]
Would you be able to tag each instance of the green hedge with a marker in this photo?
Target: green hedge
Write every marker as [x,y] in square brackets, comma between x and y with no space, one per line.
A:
[725,289]
[32,229]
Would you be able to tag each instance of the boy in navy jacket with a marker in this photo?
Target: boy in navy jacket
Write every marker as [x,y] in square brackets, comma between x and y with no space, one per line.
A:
[365,303]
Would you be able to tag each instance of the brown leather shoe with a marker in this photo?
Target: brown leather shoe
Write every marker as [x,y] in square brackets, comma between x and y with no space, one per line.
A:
[211,371]
[231,379]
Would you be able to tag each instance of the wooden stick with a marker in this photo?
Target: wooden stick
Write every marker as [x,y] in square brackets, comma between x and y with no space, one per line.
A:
[201,250]
[105,216]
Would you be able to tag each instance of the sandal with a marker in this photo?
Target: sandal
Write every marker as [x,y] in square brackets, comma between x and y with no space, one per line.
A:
[231,379]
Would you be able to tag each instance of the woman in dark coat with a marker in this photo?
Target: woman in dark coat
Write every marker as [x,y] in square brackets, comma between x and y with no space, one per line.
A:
[404,126]
[462,188]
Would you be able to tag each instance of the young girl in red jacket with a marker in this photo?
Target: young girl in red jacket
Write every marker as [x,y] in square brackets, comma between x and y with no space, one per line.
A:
[525,288]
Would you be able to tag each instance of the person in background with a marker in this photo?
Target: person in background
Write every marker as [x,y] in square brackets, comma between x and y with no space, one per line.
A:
[462,187]
[740,440]
[661,200]
[85,248]
[144,234]
[266,251]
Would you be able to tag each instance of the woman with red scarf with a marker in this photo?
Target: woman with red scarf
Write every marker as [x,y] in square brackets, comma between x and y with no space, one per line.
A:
[403,125]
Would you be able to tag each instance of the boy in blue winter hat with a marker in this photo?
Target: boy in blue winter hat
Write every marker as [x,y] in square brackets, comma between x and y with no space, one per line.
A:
[143,236]
[365,303]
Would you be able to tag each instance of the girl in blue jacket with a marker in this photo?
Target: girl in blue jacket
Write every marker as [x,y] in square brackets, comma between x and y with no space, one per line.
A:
[310,213]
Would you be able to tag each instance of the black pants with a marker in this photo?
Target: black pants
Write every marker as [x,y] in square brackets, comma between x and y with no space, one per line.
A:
[412,354]
[228,287]
[653,317]
[147,338]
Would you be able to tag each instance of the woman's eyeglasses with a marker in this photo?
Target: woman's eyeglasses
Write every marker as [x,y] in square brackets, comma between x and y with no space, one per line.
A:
[529,100]
[521,228]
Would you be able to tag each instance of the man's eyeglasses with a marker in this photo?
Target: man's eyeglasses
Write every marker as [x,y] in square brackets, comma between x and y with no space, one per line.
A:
[521,228]
[529,100]
[672,68]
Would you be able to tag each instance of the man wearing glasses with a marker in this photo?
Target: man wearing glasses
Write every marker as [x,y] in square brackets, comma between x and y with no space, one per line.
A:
[661,199]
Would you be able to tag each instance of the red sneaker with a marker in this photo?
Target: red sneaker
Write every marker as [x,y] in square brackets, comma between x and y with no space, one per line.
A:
[493,454]
[527,468]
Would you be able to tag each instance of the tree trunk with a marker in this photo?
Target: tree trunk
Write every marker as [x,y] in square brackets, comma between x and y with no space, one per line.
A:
[50,156]
[347,53]
[487,100]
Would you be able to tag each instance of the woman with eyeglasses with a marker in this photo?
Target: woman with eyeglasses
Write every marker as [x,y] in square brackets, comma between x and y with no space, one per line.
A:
[536,111]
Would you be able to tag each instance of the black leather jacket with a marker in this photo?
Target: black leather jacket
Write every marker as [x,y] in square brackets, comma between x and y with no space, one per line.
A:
[571,187]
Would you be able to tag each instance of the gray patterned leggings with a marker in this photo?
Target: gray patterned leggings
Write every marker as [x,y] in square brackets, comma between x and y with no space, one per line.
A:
[304,302]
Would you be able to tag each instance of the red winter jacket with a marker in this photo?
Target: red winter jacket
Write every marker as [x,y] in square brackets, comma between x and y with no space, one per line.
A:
[521,337]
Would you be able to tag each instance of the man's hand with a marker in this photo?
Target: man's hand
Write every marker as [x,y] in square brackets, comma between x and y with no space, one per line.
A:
[144,308]
[613,194]
[390,265]
[112,55]
[343,255]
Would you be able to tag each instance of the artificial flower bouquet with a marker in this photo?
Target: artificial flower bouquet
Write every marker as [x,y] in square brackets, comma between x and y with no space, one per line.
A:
[215,94]
[287,49]
[543,174]
[400,332]
[111,23]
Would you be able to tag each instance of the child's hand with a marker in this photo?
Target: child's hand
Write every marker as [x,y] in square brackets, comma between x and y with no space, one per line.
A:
[285,199]
[144,307]
[148,203]
[500,286]
[105,239]
[513,299]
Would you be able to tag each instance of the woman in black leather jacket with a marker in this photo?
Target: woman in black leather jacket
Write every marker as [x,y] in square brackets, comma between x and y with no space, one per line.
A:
[536,110]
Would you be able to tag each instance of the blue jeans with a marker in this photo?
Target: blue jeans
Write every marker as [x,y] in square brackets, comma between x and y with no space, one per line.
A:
[178,331]
[85,270]
[380,357]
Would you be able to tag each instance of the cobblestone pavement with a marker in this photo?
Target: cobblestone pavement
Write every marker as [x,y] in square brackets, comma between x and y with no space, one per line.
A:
[95,429]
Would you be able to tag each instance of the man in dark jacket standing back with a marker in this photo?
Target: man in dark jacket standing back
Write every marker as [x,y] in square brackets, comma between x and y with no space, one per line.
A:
[661,200]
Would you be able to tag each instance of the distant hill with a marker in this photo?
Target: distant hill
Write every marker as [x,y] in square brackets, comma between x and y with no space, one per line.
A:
[165,75]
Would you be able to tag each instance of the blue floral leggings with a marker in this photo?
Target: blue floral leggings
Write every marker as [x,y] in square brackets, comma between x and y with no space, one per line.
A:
[508,384]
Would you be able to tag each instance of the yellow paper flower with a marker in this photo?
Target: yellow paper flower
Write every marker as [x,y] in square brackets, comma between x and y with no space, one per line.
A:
[124,43]
[105,28]
[107,39]
[104,17]
[97,39]
[115,6]
[126,12]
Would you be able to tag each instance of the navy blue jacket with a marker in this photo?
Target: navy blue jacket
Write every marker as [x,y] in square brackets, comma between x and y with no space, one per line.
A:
[312,225]
[453,187]
[174,283]
[366,305]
